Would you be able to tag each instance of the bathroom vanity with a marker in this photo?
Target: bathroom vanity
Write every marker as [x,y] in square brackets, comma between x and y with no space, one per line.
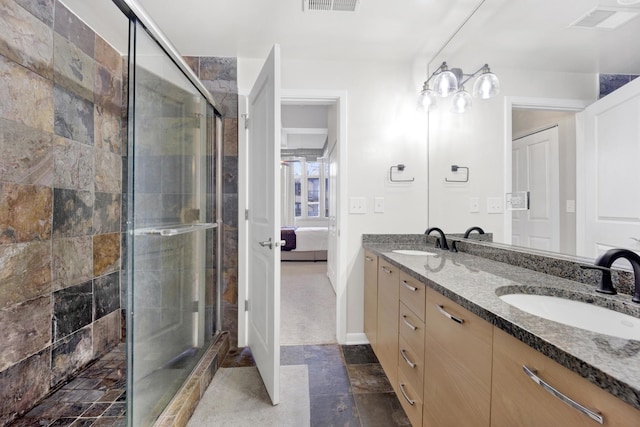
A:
[456,354]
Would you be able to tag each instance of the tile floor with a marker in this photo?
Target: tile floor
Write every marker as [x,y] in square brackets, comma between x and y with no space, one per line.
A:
[347,386]
[95,398]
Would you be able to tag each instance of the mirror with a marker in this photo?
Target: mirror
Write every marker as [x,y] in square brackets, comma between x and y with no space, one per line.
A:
[551,58]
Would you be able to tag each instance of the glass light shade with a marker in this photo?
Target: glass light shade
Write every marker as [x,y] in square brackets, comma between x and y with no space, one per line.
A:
[445,83]
[427,99]
[461,101]
[486,86]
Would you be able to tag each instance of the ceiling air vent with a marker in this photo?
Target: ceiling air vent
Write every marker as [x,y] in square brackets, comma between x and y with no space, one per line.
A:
[605,18]
[330,5]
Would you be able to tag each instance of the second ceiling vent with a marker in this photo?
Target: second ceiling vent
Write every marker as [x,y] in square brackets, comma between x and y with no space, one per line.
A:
[330,5]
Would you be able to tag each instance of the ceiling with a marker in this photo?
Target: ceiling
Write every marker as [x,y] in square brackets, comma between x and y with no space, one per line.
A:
[516,33]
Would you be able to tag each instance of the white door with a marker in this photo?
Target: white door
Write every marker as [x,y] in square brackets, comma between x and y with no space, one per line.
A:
[535,169]
[333,217]
[263,288]
[608,173]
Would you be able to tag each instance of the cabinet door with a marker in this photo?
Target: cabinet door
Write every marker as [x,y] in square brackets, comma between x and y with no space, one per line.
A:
[458,351]
[519,401]
[388,311]
[370,297]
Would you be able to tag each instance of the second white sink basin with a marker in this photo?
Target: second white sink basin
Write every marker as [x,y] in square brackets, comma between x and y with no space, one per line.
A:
[412,252]
[577,314]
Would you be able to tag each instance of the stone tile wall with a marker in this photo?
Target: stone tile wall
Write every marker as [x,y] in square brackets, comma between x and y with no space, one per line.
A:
[611,82]
[60,199]
[220,77]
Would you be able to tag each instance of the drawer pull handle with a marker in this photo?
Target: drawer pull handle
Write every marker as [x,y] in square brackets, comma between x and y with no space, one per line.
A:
[368,258]
[531,373]
[446,314]
[386,270]
[408,286]
[406,359]
[406,322]
[404,393]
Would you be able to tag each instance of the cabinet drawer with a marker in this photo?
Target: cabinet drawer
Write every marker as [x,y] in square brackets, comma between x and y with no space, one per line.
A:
[518,400]
[411,366]
[411,330]
[412,294]
[410,401]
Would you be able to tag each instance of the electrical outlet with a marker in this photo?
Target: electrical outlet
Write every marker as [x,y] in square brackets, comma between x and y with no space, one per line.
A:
[378,205]
[357,205]
[494,205]
[474,204]
[570,206]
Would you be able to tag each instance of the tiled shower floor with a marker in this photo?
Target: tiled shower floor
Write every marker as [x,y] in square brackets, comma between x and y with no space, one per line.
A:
[96,397]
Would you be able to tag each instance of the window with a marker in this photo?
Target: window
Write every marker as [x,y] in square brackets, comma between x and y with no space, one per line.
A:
[310,188]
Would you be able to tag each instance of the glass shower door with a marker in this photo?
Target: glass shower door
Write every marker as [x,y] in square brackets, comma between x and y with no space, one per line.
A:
[168,326]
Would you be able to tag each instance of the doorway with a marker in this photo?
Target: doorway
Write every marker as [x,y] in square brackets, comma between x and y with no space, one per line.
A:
[529,126]
[335,201]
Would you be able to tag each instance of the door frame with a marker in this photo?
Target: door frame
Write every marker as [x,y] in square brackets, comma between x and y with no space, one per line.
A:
[308,96]
[532,103]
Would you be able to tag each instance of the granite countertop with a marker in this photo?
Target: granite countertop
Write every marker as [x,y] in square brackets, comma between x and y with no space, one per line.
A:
[611,363]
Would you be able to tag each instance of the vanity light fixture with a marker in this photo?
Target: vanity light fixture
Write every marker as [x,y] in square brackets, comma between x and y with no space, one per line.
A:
[451,82]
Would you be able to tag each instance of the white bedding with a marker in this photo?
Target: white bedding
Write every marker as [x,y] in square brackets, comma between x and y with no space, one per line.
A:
[311,239]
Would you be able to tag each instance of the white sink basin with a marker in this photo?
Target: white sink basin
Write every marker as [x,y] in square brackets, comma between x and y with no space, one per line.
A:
[412,252]
[577,314]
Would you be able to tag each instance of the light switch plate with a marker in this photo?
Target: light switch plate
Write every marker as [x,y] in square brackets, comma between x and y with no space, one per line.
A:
[570,206]
[494,205]
[378,205]
[357,205]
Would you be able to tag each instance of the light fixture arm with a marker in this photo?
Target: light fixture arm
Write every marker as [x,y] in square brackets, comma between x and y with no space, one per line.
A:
[440,69]
[484,68]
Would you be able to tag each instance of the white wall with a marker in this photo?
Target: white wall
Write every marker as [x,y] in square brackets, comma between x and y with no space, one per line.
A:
[476,139]
[383,129]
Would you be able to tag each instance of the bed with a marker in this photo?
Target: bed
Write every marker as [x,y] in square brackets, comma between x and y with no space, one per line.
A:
[304,243]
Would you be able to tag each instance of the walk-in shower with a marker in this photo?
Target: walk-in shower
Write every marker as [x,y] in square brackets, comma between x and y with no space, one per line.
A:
[172,219]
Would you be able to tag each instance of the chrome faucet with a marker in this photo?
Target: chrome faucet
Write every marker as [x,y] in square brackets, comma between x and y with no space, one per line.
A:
[470,229]
[604,263]
[441,242]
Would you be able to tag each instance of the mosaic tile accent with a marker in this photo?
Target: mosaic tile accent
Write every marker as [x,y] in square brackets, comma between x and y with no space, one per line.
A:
[106,253]
[25,39]
[26,96]
[23,384]
[70,354]
[106,295]
[71,309]
[25,154]
[73,116]
[73,69]
[72,213]
[25,271]
[25,330]
[25,213]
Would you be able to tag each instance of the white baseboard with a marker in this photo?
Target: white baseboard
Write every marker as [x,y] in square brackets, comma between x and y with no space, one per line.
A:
[356,338]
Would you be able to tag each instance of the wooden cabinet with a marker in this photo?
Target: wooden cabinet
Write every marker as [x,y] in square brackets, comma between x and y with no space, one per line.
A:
[519,401]
[457,368]
[387,321]
[371,298]
[411,347]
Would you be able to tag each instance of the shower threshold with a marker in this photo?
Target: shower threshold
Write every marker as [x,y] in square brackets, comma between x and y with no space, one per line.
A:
[95,397]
